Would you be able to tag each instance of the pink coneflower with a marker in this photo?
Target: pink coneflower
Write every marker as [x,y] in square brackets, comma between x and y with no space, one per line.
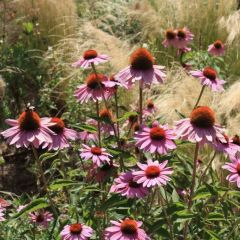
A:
[113,84]
[170,38]
[127,229]
[183,38]
[153,173]
[183,50]
[98,155]
[150,108]
[2,214]
[28,129]
[157,139]
[4,203]
[108,124]
[126,186]
[102,173]
[208,77]
[76,231]
[85,135]
[234,168]
[142,69]
[62,135]
[90,57]
[93,88]
[226,145]
[41,218]
[217,48]
[199,127]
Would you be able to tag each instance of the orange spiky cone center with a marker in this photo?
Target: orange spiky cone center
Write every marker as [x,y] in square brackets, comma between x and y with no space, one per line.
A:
[141,59]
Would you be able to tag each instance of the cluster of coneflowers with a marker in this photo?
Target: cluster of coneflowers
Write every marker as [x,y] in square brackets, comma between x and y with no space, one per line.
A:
[151,140]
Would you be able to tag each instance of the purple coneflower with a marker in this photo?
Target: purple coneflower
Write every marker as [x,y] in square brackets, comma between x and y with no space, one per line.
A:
[93,89]
[157,139]
[183,38]
[170,38]
[98,155]
[127,229]
[150,108]
[126,186]
[142,69]
[217,48]
[41,218]
[62,135]
[76,231]
[153,173]
[208,77]
[90,57]
[199,127]
[234,168]
[28,129]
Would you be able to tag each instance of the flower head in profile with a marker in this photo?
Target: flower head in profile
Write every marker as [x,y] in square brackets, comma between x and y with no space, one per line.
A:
[200,127]
[60,139]
[183,38]
[98,155]
[93,89]
[217,48]
[141,69]
[170,38]
[127,229]
[102,173]
[226,145]
[234,169]
[28,129]
[41,218]
[153,173]
[90,57]
[150,108]
[156,139]
[86,135]
[2,214]
[208,77]
[76,231]
[126,186]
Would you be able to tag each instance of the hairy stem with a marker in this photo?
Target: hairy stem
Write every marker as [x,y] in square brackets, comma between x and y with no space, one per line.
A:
[190,202]
[44,181]
[199,97]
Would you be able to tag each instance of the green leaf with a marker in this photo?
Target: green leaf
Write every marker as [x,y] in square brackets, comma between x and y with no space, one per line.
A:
[126,116]
[36,204]
[212,216]
[113,201]
[185,214]
[213,235]
[88,128]
[27,27]
[60,183]
[46,156]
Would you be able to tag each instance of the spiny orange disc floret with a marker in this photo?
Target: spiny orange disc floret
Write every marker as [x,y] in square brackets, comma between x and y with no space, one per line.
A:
[29,120]
[157,133]
[170,34]
[76,228]
[152,172]
[202,117]
[96,151]
[181,33]
[150,104]
[210,73]
[129,227]
[90,54]
[94,81]
[106,114]
[59,125]
[238,168]
[141,59]
[217,44]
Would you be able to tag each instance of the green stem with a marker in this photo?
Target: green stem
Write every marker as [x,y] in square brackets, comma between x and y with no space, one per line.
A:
[190,202]
[140,104]
[44,181]
[199,97]
[98,123]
